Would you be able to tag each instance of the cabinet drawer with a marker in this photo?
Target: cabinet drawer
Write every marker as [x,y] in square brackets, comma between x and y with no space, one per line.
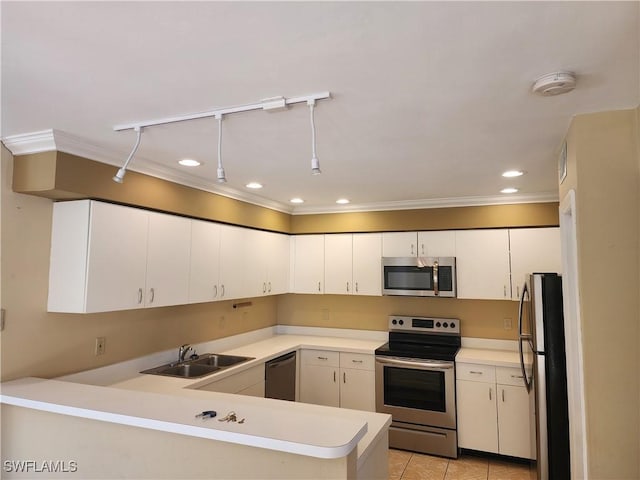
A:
[476,373]
[320,357]
[509,376]
[360,361]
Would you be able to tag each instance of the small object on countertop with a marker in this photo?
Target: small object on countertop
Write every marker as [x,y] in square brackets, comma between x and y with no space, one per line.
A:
[231,417]
[207,414]
[241,421]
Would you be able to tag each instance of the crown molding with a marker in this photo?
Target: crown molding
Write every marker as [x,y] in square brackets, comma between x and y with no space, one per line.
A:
[52,140]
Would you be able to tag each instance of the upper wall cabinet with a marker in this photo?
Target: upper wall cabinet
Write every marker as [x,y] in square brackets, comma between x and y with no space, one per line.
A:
[108,257]
[267,263]
[204,285]
[308,263]
[419,244]
[482,262]
[352,264]
[533,250]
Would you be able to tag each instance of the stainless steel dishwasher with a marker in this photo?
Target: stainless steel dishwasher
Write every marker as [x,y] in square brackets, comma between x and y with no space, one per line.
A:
[280,377]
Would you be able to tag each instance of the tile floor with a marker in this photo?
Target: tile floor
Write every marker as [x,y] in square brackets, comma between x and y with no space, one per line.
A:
[415,466]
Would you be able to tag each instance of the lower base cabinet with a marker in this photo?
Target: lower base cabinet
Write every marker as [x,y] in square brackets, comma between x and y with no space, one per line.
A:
[495,411]
[247,382]
[337,379]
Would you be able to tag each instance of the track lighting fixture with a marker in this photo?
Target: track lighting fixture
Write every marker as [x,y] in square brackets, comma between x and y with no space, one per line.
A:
[269,104]
[315,163]
[221,176]
[119,176]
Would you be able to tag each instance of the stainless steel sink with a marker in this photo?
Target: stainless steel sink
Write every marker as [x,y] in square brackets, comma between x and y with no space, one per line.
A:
[199,367]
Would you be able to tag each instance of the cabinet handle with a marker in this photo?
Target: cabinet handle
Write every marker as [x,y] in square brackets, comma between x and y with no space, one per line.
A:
[264,287]
[490,398]
[422,246]
[222,290]
[319,286]
[323,358]
[344,377]
[153,295]
[215,291]
[269,289]
[475,373]
[517,376]
[356,287]
[504,290]
[139,295]
[518,291]
[503,395]
[356,361]
[334,376]
[347,287]
[412,249]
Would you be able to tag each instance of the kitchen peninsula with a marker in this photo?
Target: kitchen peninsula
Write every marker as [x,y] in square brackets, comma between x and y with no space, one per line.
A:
[129,425]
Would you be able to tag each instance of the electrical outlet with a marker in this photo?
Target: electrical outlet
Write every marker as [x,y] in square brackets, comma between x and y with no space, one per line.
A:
[507,324]
[101,345]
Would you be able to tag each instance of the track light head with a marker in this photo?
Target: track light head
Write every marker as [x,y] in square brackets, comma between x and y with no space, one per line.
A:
[315,166]
[221,176]
[119,177]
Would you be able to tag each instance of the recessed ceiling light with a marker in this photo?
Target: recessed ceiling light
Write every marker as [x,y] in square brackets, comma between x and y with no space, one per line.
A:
[188,162]
[513,173]
[342,201]
[509,190]
[296,200]
[254,185]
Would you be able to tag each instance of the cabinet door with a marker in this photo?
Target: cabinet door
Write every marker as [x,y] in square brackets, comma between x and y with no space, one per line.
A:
[168,252]
[533,250]
[400,244]
[278,264]
[308,267]
[437,244]
[367,264]
[319,385]
[232,262]
[482,261]
[357,389]
[477,416]
[514,422]
[338,264]
[117,263]
[205,254]
[257,261]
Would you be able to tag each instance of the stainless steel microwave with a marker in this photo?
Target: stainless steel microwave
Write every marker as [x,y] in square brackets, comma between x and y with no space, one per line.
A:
[419,276]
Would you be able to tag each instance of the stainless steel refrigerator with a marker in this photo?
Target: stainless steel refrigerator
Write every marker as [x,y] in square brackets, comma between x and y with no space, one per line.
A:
[541,331]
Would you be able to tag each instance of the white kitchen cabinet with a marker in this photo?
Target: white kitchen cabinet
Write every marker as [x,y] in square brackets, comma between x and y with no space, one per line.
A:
[422,244]
[367,264]
[168,258]
[338,263]
[108,257]
[482,263]
[205,258]
[267,263]
[533,250]
[494,410]
[277,263]
[308,264]
[232,263]
[337,379]
[352,264]
[247,382]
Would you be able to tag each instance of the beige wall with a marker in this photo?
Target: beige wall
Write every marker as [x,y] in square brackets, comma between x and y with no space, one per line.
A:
[479,318]
[604,170]
[37,343]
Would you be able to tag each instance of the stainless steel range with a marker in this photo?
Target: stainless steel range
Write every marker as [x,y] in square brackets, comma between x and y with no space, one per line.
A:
[415,383]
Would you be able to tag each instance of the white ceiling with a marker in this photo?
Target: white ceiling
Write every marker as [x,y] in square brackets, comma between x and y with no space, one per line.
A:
[431,101]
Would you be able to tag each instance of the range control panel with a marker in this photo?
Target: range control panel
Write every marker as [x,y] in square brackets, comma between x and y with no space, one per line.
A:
[424,324]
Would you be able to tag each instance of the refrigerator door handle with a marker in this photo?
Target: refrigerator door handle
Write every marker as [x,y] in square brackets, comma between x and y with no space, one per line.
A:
[523,337]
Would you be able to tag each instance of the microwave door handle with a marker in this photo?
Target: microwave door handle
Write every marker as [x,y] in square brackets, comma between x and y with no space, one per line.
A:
[436,290]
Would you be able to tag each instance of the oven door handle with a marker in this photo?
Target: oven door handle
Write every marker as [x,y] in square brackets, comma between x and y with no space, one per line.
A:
[427,364]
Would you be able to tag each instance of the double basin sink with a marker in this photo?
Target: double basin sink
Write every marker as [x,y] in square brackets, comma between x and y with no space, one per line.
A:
[205,364]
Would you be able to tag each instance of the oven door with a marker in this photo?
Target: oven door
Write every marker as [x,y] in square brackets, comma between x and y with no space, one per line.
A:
[416,391]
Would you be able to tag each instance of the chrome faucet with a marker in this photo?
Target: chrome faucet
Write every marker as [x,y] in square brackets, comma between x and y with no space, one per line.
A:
[183,350]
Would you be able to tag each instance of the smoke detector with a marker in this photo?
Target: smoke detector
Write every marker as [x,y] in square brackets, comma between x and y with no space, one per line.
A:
[554,84]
